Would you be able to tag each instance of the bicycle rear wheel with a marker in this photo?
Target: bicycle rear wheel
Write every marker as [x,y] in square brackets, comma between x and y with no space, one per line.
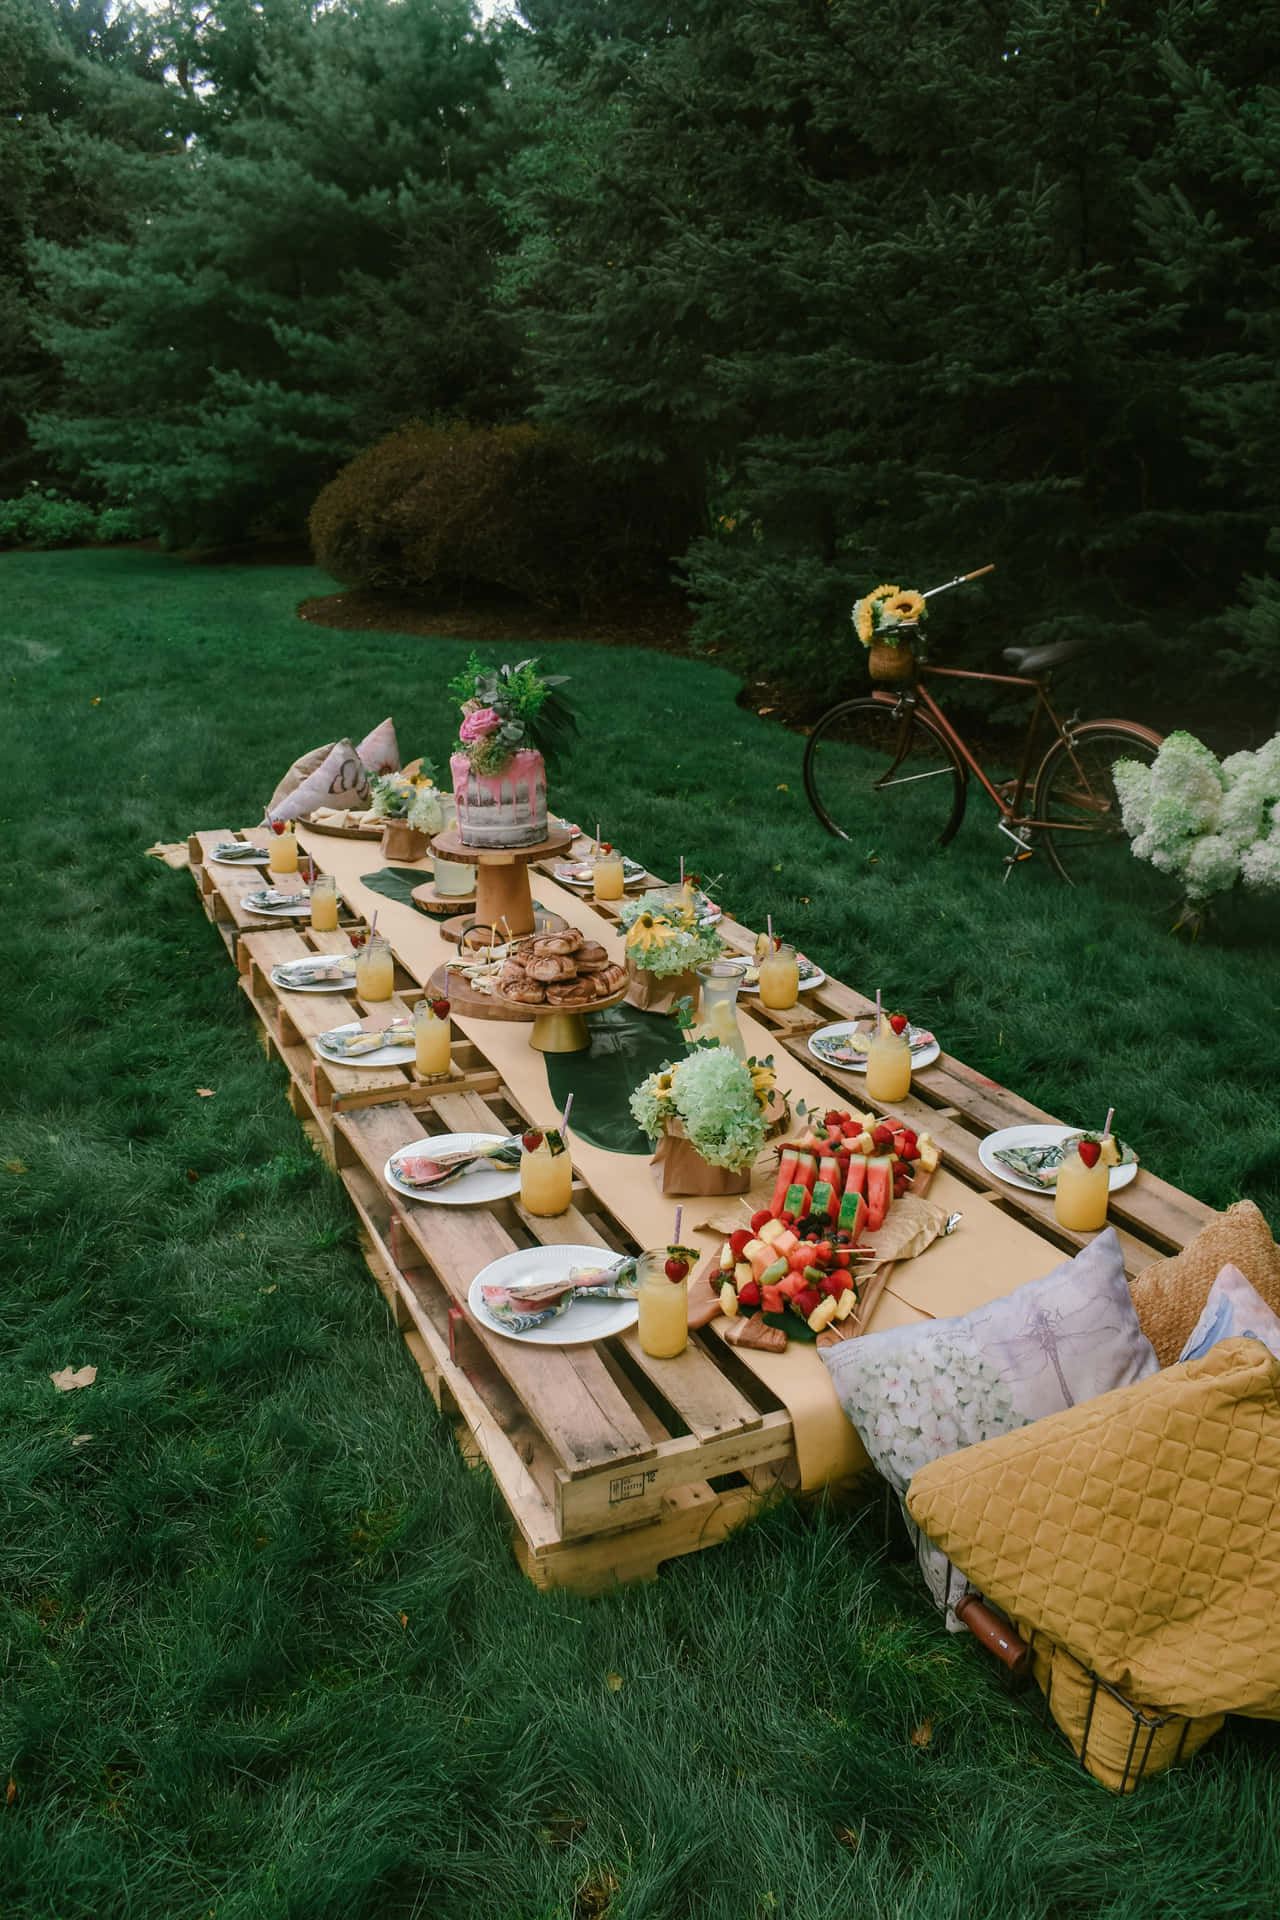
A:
[877,760]
[1075,790]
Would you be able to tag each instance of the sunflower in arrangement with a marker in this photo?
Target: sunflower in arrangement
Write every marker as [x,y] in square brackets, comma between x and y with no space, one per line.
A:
[888,616]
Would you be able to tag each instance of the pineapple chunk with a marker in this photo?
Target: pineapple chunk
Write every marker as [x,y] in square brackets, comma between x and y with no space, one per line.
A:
[742,1272]
[823,1314]
[770,1231]
[1110,1151]
[726,1258]
[846,1303]
[929,1156]
[728,1301]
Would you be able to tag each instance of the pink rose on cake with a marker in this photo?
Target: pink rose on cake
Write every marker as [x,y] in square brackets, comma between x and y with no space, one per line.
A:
[478,723]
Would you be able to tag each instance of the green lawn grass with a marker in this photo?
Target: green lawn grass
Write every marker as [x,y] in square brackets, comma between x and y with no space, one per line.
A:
[266,1651]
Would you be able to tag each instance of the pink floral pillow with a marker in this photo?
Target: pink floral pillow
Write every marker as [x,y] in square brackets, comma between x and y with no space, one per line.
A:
[379,751]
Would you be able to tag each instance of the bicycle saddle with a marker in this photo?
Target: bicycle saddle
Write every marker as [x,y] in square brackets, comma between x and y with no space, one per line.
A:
[1039,659]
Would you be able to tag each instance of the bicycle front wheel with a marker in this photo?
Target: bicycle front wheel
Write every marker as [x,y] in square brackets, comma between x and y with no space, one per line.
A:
[1076,794]
[877,763]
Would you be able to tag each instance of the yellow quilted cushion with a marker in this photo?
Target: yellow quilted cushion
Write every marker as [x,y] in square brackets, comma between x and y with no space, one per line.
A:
[1118,1742]
[1169,1295]
[1140,1531]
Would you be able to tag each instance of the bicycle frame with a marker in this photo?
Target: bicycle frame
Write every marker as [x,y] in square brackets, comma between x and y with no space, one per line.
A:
[1012,818]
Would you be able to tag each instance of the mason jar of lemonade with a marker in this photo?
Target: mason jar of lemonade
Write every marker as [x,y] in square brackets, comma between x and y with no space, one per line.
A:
[375,969]
[1080,1195]
[546,1173]
[432,1034]
[780,977]
[662,1292]
[282,854]
[324,903]
[889,1061]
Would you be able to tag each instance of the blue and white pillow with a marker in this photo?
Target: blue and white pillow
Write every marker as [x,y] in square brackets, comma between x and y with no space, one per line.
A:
[1234,1309]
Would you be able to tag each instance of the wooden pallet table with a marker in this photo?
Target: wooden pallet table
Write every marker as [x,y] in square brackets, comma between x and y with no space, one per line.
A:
[612,1463]
[605,1456]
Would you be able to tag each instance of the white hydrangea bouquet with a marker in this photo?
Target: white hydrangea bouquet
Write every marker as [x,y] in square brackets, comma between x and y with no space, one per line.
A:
[707,1114]
[412,799]
[1209,823]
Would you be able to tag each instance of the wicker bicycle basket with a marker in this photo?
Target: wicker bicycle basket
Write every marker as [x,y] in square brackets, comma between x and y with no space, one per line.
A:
[891,663]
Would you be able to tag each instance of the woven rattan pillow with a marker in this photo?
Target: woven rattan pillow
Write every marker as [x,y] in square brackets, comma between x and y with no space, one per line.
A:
[1169,1295]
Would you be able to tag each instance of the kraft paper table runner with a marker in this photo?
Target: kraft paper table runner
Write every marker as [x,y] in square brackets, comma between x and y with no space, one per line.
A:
[827,1448]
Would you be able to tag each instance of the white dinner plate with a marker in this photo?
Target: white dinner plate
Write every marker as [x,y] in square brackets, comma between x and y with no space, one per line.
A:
[1040,1136]
[258,858]
[749,969]
[923,1052]
[346,985]
[585,1320]
[577,874]
[394,1056]
[473,1189]
[251,904]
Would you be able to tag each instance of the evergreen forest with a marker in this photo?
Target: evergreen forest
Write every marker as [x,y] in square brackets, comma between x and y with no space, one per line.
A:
[824,292]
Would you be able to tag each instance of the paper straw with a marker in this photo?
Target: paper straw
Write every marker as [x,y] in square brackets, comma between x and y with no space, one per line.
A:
[597,837]
[564,1117]
[768,921]
[679,1218]
[877,1009]
[1106,1125]
[373,924]
[681,869]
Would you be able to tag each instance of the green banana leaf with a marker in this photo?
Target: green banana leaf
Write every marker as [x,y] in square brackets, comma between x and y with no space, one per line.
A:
[626,1046]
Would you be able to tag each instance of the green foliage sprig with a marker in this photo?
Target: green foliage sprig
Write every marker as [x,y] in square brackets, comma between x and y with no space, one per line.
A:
[719,1100]
[525,707]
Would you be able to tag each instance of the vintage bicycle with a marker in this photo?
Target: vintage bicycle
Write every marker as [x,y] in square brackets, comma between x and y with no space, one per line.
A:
[896,748]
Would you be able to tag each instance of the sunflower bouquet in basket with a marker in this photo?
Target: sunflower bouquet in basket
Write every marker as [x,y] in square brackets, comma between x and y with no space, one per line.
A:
[888,621]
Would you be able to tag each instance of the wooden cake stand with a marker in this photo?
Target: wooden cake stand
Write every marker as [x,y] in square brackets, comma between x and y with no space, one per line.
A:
[502,879]
[560,1029]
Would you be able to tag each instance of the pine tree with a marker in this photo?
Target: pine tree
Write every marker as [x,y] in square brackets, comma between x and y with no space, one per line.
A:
[314,266]
[79,82]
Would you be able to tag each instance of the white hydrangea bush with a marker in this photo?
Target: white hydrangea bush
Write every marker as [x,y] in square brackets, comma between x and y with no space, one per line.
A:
[1209,823]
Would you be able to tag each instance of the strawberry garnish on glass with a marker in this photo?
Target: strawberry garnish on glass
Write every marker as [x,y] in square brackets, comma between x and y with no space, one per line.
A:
[898,1021]
[1090,1152]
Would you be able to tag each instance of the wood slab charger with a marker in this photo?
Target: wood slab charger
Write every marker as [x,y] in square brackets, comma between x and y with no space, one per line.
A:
[372,832]
[464,999]
[428,899]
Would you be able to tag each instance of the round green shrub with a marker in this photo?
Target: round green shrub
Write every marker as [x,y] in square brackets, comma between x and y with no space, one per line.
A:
[439,508]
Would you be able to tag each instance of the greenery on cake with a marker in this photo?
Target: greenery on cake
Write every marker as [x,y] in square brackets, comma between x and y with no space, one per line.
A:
[508,708]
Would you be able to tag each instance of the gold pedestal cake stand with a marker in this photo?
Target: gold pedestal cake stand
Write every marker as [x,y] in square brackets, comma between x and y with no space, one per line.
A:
[559,1029]
[503,899]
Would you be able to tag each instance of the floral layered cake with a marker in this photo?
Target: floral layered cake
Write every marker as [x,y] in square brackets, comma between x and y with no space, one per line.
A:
[499,776]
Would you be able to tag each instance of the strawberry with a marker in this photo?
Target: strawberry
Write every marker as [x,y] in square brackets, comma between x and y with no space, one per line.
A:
[357,939]
[277,826]
[738,1241]
[531,1141]
[844,1259]
[805,1301]
[749,1294]
[898,1021]
[758,1219]
[676,1270]
[834,1285]
[834,1119]
[440,1008]
[824,1253]
[883,1135]
[1089,1151]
